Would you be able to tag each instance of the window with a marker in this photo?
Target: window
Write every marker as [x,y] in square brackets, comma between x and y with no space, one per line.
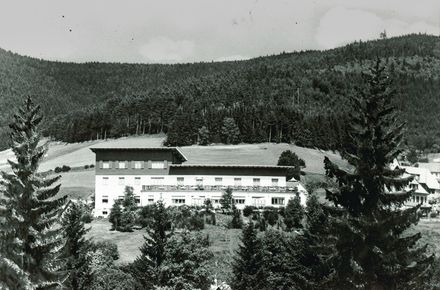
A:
[150,199]
[274,181]
[414,186]
[178,200]
[137,180]
[278,200]
[105,199]
[237,181]
[157,180]
[218,181]
[104,212]
[256,182]
[138,165]
[121,165]
[121,180]
[199,181]
[417,199]
[180,181]
[239,200]
[105,180]
[157,165]
[137,199]
[106,165]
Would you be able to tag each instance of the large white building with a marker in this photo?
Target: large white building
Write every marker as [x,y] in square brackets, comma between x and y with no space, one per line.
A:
[161,174]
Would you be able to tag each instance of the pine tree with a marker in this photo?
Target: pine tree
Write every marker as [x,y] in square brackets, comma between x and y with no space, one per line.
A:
[227,200]
[230,131]
[289,158]
[367,223]
[247,266]
[237,221]
[146,266]
[76,245]
[315,215]
[29,211]
[294,213]
[115,215]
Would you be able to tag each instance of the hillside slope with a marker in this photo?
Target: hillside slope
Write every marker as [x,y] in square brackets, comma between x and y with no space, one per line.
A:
[292,97]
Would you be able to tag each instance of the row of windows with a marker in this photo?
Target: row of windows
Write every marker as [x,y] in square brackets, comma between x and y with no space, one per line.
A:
[419,199]
[132,164]
[199,181]
[181,200]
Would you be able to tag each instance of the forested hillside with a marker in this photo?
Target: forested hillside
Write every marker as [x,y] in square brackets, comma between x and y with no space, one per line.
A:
[292,97]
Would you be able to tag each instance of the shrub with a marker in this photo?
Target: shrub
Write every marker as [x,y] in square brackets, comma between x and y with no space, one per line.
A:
[433,214]
[210,218]
[236,222]
[92,166]
[108,248]
[196,222]
[145,215]
[57,169]
[270,215]
[65,168]
[248,210]
[113,278]
[86,167]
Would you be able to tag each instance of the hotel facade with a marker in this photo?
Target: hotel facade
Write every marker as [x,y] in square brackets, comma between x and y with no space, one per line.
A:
[162,174]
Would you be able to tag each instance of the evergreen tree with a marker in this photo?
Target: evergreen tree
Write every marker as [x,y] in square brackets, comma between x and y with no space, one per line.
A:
[247,266]
[203,136]
[76,245]
[230,131]
[314,213]
[367,224]
[31,238]
[237,221]
[289,158]
[115,215]
[146,266]
[227,200]
[294,213]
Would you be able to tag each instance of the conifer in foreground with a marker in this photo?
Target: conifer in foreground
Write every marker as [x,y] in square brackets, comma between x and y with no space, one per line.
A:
[371,250]
[29,211]
[247,267]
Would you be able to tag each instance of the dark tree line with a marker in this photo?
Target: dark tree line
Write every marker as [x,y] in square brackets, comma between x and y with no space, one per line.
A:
[292,97]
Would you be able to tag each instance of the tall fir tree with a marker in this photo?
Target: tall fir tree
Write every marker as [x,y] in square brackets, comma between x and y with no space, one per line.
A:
[76,246]
[367,223]
[247,266]
[146,266]
[32,241]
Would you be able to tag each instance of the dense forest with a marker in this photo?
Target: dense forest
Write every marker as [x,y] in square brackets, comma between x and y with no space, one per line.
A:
[299,97]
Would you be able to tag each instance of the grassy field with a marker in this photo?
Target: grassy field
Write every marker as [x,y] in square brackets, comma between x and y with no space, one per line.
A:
[223,243]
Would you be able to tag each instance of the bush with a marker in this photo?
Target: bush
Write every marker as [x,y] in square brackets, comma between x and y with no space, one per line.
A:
[145,215]
[86,167]
[210,218]
[236,222]
[65,168]
[92,166]
[113,278]
[248,210]
[108,248]
[270,215]
[196,222]
[433,214]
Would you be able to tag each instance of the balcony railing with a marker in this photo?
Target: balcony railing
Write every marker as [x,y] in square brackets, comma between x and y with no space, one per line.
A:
[279,189]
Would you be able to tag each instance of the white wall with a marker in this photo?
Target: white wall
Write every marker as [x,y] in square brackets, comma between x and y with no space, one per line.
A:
[113,189]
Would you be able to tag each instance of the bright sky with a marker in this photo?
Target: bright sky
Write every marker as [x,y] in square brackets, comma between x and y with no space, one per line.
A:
[170,31]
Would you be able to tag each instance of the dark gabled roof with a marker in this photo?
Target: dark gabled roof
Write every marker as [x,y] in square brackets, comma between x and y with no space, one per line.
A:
[172,149]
